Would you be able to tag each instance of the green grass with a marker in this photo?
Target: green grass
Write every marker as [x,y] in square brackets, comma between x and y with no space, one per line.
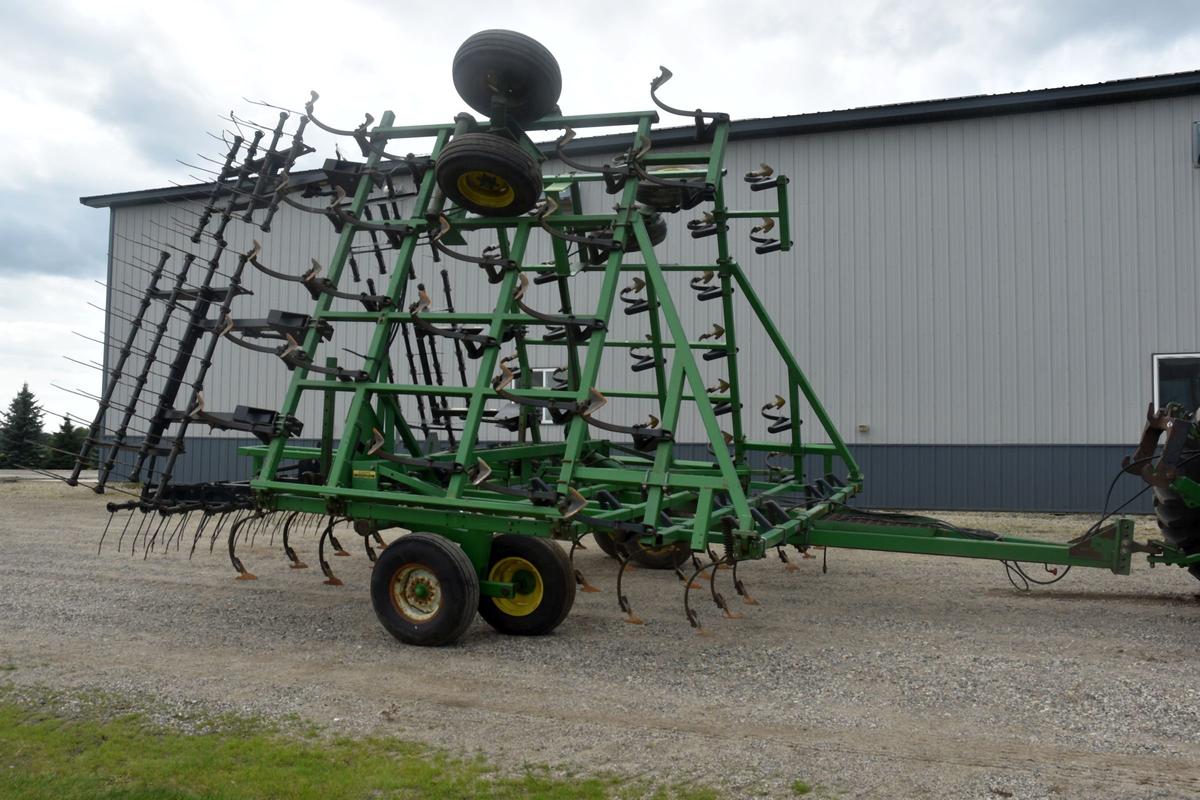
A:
[94,753]
[800,788]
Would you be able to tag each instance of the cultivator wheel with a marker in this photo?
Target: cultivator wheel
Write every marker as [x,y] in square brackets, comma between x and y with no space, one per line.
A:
[424,590]
[507,73]
[490,175]
[668,556]
[1179,522]
[606,544]
[543,586]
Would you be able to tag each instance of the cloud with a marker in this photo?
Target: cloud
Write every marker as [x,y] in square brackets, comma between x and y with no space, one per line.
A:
[103,97]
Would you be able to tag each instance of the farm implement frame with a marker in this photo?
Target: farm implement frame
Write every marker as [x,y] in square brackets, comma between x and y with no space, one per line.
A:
[570,460]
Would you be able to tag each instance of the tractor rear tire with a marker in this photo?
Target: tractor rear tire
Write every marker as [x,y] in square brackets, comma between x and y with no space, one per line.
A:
[545,585]
[425,590]
[1178,522]
[509,64]
[488,174]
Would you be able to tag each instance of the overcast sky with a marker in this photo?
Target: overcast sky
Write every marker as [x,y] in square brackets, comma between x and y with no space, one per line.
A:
[103,97]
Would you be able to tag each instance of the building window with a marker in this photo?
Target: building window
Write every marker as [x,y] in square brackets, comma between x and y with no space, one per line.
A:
[544,380]
[1177,380]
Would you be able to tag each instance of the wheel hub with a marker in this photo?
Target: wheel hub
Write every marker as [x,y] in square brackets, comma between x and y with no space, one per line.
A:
[528,589]
[416,593]
[486,189]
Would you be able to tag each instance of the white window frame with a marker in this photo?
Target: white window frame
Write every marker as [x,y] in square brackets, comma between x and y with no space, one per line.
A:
[546,382]
[1159,358]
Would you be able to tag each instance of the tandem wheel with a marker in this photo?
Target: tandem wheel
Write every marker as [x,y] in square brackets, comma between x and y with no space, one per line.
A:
[425,590]
[544,582]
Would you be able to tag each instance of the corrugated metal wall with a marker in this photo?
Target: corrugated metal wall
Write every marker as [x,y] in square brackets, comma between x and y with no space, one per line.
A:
[993,281]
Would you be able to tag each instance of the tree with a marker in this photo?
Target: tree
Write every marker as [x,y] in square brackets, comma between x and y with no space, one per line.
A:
[21,431]
[63,445]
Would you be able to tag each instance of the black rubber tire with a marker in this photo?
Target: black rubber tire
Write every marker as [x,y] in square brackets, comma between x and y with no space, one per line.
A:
[606,544]
[656,228]
[557,578]
[1178,522]
[470,154]
[666,557]
[664,198]
[457,582]
[669,556]
[524,71]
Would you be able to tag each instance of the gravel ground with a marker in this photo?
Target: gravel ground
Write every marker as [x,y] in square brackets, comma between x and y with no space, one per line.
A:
[889,676]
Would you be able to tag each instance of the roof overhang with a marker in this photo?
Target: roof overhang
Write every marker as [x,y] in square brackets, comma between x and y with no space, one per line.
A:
[1119,91]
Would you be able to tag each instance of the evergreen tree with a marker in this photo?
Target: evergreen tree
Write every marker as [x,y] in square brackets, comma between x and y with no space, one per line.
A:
[21,431]
[63,445]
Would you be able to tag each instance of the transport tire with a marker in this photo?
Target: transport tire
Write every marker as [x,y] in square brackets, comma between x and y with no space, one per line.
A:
[605,542]
[544,581]
[489,175]
[656,228]
[1178,522]
[425,590]
[666,198]
[669,556]
[511,64]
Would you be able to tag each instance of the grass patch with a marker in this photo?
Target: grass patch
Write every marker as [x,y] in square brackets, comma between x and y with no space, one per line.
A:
[49,750]
[800,788]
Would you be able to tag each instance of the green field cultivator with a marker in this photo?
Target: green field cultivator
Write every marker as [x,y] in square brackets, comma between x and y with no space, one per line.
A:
[442,426]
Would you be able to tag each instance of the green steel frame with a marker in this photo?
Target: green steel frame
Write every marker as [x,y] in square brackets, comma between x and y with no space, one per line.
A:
[728,501]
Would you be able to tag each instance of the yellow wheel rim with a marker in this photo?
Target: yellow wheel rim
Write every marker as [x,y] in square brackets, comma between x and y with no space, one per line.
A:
[486,189]
[528,583]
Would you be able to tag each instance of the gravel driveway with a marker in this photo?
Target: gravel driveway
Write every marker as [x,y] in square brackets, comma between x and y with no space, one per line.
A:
[890,676]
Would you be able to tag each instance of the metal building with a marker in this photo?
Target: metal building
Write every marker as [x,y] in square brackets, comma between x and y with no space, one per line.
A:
[986,292]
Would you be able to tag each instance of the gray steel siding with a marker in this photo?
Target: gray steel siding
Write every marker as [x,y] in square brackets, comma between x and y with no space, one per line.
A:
[992,281]
[1051,478]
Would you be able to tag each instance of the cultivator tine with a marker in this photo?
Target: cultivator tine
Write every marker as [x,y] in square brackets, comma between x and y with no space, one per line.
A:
[740,586]
[622,600]
[243,573]
[330,578]
[788,566]
[293,559]
[692,617]
[338,550]
[580,580]
[679,573]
